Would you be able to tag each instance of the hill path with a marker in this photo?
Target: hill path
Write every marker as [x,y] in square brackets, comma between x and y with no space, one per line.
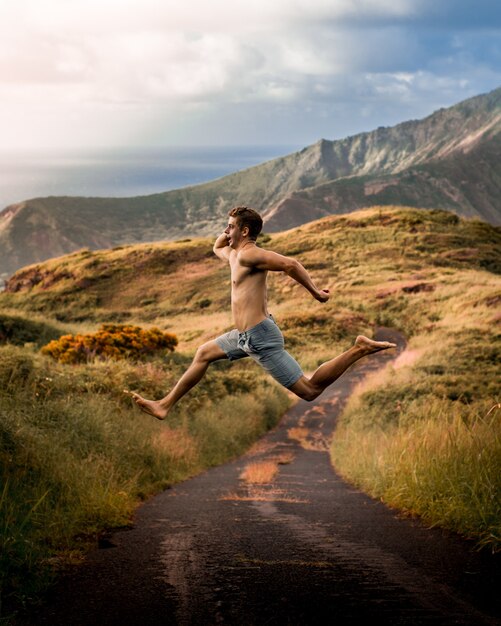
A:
[304,549]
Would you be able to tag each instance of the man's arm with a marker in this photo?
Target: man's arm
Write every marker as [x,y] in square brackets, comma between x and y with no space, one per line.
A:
[274,262]
[221,247]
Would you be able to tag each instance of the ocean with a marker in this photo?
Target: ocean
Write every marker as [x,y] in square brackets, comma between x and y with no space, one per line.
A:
[124,172]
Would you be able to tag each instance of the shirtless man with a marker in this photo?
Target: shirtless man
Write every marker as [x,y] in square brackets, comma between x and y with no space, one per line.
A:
[256,333]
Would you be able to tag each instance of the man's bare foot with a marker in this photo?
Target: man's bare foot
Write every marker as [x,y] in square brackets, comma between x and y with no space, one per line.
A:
[148,406]
[369,345]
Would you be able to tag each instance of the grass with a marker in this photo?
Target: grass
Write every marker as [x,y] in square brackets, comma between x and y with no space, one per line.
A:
[425,434]
[308,439]
[260,472]
[443,467]
[76,457]
[261,492]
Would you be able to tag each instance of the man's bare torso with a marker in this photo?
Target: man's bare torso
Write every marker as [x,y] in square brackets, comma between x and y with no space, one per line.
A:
[248,293]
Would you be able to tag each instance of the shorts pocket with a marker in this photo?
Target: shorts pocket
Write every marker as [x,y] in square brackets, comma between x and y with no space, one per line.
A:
[265,339]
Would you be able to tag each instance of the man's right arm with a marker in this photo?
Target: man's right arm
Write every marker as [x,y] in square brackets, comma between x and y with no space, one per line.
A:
[221,247]
[274,262]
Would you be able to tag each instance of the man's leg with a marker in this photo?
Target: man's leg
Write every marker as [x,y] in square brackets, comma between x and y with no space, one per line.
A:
[327,373]
[205,355]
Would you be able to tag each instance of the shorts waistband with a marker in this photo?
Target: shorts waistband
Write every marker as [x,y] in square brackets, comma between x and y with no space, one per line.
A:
[270,318]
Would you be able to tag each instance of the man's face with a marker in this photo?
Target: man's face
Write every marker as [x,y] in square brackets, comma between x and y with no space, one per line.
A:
[234,232]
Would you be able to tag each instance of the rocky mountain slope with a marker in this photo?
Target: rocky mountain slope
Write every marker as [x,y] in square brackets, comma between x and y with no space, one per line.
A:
[467,183]
[448,160]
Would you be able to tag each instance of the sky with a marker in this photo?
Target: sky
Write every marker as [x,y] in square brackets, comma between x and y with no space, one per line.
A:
[93,74]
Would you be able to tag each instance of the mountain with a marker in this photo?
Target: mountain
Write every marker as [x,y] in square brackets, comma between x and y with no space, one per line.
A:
[449,160]
[467,183]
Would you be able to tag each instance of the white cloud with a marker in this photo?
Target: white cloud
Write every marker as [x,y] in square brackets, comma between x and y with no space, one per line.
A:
[75,71]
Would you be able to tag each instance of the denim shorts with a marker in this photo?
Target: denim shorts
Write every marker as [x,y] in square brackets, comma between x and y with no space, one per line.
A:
[265,344]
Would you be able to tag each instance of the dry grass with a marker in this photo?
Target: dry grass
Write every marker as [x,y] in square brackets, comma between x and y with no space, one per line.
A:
[261,447]
[445,470]
[259,473]
[263,495]
[406,358]
[308,439]
[177,444]
[264,472]
[284,458]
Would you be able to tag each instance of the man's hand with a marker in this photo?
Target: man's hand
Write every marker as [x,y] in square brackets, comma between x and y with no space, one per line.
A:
[323,295]
[221,241]
[222,247]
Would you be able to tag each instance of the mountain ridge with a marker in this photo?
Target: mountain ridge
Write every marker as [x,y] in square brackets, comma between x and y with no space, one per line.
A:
[449,183]
[36,229]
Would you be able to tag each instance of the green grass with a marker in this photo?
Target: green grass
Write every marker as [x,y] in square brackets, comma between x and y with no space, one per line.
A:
[442,467]
[76,456]
[425,435]
[19,331]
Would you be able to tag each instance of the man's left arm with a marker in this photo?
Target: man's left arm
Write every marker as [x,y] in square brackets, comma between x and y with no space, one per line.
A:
[274,262]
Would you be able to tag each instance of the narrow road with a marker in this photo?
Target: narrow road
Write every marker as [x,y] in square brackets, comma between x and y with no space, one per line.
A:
[303,548]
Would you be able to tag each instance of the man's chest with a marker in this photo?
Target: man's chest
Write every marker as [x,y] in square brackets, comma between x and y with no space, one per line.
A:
[242,275]
[239,273]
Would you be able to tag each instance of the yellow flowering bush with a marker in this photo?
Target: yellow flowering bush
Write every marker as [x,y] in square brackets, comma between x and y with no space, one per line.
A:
[111,341]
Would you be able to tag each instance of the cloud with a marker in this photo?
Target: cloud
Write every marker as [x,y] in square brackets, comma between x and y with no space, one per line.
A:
[112,70]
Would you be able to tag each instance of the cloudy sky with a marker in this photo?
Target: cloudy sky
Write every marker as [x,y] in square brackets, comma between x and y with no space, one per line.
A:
[121,73]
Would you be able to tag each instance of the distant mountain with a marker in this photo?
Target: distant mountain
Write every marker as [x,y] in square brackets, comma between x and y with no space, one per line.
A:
[448,160]
[468,183]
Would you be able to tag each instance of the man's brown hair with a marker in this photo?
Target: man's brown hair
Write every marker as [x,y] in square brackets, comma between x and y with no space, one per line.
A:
[247,217]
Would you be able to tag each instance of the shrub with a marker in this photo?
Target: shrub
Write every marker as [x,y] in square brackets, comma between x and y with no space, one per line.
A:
[17,330]
[111,341]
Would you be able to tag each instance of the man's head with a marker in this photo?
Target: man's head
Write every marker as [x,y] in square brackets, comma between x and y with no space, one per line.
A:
[247,218]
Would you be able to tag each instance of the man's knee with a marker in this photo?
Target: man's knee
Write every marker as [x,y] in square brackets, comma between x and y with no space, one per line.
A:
[311,394]
[209,352]
[203,353]
[306,390]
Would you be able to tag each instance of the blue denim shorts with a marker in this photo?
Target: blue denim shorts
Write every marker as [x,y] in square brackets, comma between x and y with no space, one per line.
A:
[265,344]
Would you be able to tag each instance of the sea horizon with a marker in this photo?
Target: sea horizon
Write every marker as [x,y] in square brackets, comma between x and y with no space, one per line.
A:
[123,172]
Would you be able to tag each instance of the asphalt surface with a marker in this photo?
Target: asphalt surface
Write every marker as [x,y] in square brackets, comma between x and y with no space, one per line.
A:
[305,548]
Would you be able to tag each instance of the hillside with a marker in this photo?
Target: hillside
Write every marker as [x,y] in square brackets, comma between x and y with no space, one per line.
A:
[441,151]
[182,286]
[424,437]
[466,183]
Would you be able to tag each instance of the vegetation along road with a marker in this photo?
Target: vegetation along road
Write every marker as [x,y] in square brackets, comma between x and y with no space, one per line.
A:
[276,537]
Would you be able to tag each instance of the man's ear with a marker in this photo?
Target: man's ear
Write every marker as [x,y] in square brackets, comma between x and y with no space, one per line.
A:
[245,231]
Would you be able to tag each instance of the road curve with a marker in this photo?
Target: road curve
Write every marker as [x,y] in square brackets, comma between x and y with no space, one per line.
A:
[303,548]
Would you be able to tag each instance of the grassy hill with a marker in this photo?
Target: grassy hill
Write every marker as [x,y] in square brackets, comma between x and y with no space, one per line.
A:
[433,162]
[74,449]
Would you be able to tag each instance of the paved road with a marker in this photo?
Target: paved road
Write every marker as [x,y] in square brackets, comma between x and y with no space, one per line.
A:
[304,548]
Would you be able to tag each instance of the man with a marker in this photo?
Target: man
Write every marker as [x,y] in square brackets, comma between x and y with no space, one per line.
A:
[256,333]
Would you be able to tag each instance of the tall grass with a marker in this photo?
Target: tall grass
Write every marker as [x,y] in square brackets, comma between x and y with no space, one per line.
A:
[426,437]
[442,468]
[76,456]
